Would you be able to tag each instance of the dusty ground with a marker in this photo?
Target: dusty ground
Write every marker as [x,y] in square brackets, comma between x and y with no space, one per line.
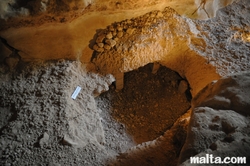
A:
[38,128]
[39,124]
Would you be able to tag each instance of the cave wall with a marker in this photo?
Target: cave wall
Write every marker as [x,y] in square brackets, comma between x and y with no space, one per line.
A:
[71,24]
[68,28]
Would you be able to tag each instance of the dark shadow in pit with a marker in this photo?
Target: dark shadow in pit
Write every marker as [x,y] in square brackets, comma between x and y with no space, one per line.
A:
[149,104]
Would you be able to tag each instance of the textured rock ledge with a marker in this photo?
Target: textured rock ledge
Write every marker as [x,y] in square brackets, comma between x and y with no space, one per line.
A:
[219,123]
[162,37]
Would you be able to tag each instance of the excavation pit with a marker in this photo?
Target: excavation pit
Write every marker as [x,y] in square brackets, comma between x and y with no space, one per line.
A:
[148,105]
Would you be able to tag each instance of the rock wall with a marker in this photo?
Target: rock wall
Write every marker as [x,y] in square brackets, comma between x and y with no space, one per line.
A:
[208,8]
[154,37]
[219,123]
[177,42]
[70,24]
[16,8]
[22,8]
[224,40]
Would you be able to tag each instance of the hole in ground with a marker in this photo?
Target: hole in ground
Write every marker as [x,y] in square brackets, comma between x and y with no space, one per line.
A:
[148,105]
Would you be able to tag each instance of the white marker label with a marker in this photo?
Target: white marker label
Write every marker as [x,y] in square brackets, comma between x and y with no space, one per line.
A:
[76,92]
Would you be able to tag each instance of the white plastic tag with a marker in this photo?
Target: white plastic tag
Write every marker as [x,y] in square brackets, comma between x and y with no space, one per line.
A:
[76,92]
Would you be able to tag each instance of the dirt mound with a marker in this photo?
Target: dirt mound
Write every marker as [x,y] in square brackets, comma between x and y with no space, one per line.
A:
[41,124]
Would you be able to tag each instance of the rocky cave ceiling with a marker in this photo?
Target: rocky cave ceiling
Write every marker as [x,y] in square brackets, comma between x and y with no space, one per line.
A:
[72,24]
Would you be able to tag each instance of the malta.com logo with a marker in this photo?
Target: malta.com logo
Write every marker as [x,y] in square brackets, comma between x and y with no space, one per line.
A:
[210,159]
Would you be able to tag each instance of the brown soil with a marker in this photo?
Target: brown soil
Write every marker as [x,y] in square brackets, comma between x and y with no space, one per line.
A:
[149,104]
